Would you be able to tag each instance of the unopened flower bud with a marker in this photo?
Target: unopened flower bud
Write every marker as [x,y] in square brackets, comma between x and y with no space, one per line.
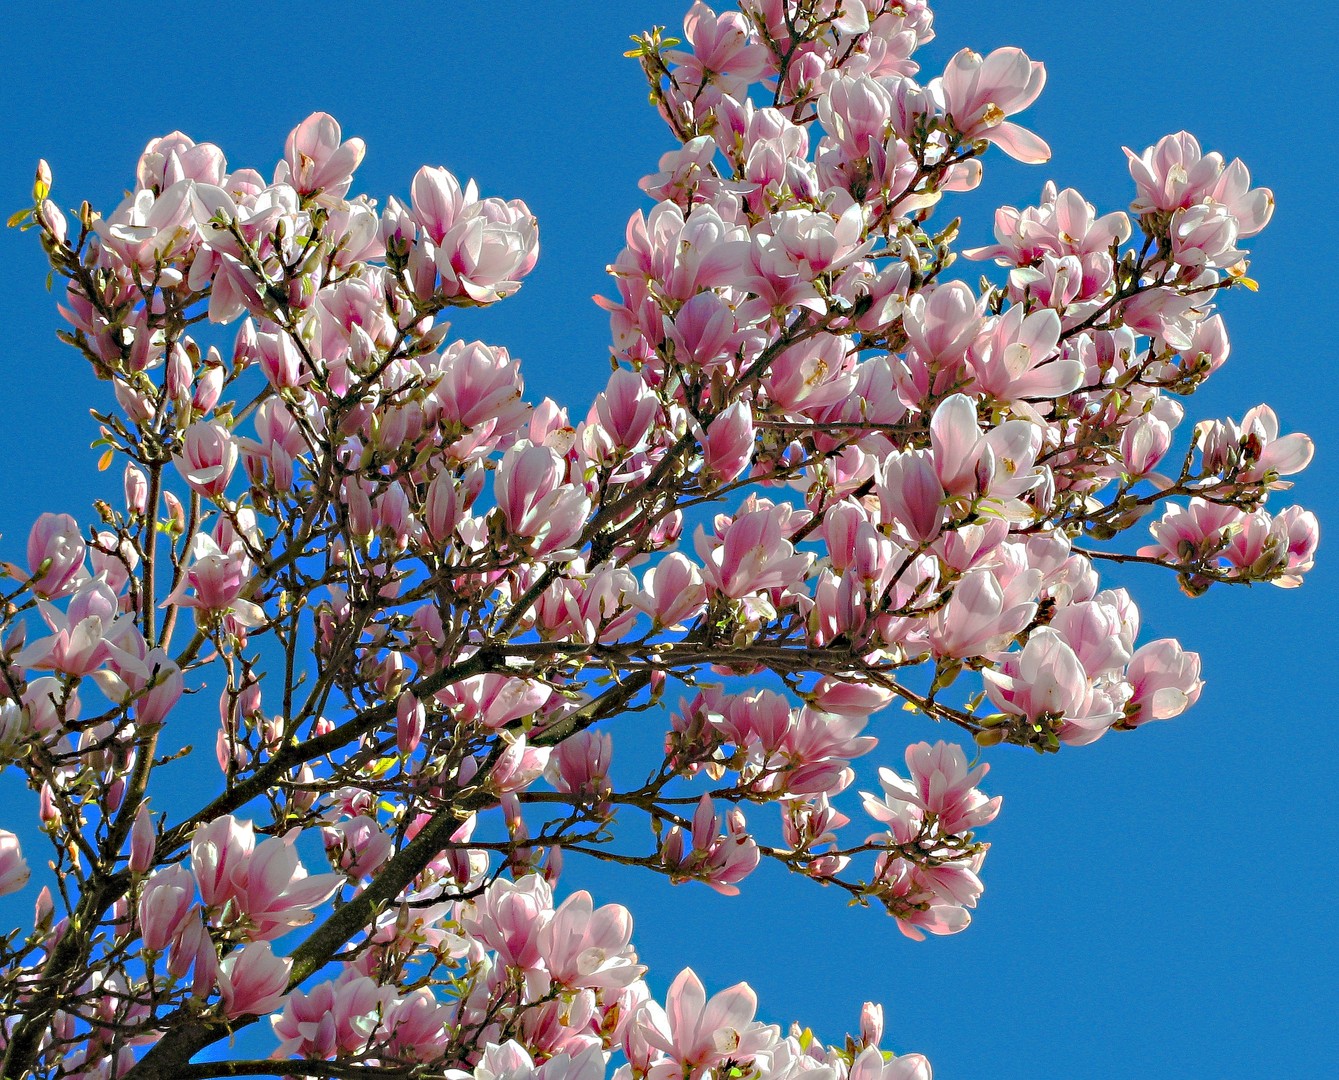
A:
[209,386]
[43,911]
[176,514]
[871,1023]
[14,871]
[50,218]
[410,717]
[46,806]
[137,491]
[116,791]
[142,841]
[180,373]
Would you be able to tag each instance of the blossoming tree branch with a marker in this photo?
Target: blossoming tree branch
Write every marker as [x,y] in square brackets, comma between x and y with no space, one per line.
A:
[825,475]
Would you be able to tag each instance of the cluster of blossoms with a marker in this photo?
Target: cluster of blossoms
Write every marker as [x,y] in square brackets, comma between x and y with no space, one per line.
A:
[423,602]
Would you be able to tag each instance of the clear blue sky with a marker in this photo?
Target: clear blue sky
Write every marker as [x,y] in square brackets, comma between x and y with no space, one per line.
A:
[1158,905]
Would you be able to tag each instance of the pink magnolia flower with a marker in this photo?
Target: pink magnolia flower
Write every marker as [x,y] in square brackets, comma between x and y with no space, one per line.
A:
[753,555]
[49,706]
[507,1061]
[207,457]
[1097,634]
[705,332]
[357,846]
[14,871]
[845,526]
[588,947]
[280,361]
[817,243]
[1297,534]
[871,1065]
[1208,344]
[148,679]
[728,449]
[174,157]
[410,720]
[981,616]
[55,556]
[1064,223]
[317,162]
[442,510]
[1144,443]
[215,580]
[777,281]
[684,254]
[627,411]
[235,289]
[494,700]
[808,825]
[1165,682]
[395,518]
[536,502]
[978,94]
[683,172]
[567,1032]
[50,218]
[725,58]
[841,698]
[276,892]
[253,981]
[484,255]
[580,765]
[802,752]
[855,112]
[941,784]
[871,1024]
[1046,682]
[999,462]
[1175,175]
[1019,357]
[704,854]
[163,906]
[918,900]
[114,560]
[417,1026]
[192,948]
[477,388]
[1204,235]
[811,376]
[269,889]
[519,765]
[84,632]
[143,841]
[1074,286]
[911,496]
[136,491]
[672,592]
[279,441]
[702,1032]
[1253,451]
[1194,532]
[438,200]
[147,229]
[941,323]
[220,849]
[332,1018]
[509,917]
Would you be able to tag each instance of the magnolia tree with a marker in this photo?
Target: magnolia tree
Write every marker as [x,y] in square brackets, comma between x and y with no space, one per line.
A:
[825,475]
